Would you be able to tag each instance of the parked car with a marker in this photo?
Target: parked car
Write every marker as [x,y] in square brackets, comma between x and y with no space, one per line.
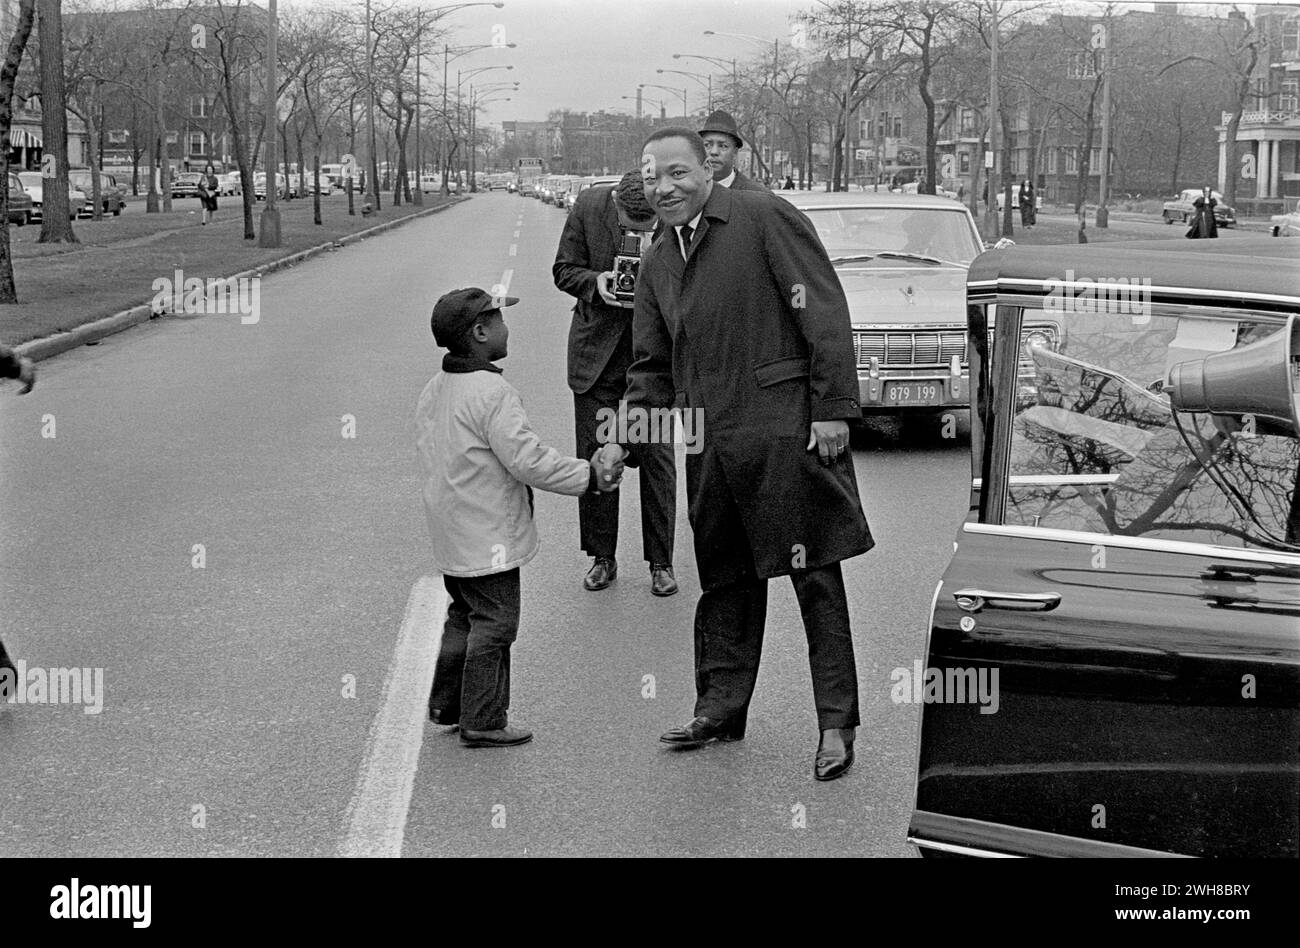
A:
[259,186]
[1015,199]
[1128,579]
[20,202]
[34,185]
[1285,225]
[186,184]
[1182,208]
[112,196]
[902,260]
[230,183]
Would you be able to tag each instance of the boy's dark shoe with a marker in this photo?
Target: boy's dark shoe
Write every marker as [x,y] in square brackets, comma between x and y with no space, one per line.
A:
[601,574]
[662,581]
[502,737]
[443,717]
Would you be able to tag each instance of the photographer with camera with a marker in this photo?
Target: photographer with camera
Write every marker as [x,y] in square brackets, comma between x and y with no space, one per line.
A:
[597,263]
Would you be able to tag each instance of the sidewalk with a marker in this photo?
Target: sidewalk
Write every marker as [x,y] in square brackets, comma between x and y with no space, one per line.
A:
[70,294]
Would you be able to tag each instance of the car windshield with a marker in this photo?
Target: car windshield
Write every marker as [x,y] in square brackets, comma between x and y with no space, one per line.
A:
[29,178]
[904,232]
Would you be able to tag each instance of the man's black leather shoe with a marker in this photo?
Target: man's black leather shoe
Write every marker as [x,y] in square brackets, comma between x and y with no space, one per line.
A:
[662,582]
[502,737]
[601,574]
[834,753]
[702,730]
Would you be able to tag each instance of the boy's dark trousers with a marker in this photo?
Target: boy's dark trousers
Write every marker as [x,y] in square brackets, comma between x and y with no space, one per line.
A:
[471,683]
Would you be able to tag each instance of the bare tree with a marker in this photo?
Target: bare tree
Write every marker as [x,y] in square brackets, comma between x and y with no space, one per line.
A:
[1235,56]
[56,223]
[8,75]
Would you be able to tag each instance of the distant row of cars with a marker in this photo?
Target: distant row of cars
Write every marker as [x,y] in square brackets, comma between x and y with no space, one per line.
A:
[562,190]
[27,195]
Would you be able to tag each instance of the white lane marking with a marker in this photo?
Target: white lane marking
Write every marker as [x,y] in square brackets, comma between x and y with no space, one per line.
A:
[376,817]
[514,248]
[516,233]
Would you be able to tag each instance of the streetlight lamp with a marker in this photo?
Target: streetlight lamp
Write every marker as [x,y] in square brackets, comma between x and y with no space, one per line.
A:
[461,76]
[474,104]
[721,63]
[776,67]
[673,89]
[640,98]
[444,160]
[697,77]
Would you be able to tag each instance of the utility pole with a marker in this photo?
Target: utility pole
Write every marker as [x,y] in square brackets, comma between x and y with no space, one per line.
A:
[848,88]
[418,196]
[1103,185]
[991,230]
[444,162]
[370,108]
[270,236]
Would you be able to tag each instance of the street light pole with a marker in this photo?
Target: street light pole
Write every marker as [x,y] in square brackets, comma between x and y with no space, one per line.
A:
[1103,215]
[370,109]
[418,196]
[270,236]
[444,153]
[991,229]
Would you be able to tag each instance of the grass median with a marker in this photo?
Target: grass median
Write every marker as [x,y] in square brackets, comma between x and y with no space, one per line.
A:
[62,286]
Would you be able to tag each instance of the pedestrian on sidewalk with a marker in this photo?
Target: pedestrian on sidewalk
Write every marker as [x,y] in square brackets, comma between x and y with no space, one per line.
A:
[209,186]
[481,460]
[13,366]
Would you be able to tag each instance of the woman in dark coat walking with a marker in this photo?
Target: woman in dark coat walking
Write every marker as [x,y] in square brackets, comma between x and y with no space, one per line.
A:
[208,188]
[1203,222]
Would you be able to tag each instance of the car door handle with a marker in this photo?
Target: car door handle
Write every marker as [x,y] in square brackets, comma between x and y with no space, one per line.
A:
[973,600]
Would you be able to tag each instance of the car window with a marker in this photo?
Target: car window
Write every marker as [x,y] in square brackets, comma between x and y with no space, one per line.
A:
[938,232]
[1096,446]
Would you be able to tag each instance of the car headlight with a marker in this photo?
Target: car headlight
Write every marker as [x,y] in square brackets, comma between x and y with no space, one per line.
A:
[1038,338]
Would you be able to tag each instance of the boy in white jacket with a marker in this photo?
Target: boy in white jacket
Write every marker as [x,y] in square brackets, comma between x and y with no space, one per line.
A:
[481,460]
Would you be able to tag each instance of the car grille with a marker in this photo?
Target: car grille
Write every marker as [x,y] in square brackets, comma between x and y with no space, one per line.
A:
[909,348]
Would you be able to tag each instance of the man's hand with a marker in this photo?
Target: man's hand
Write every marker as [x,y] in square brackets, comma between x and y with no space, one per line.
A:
[608,465]
[830,438]
[605,286]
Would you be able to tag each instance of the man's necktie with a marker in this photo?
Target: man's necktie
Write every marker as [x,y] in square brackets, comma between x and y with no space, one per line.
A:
[687,233]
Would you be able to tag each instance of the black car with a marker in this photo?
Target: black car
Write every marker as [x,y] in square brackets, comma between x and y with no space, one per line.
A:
[1113,665]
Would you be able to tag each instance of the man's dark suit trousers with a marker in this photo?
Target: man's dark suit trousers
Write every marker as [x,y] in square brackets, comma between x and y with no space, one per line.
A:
[598,513]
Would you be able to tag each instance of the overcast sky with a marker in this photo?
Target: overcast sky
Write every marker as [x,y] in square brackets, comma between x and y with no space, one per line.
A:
[585,54]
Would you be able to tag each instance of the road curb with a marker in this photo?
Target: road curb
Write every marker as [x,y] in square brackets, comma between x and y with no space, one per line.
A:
[49,346]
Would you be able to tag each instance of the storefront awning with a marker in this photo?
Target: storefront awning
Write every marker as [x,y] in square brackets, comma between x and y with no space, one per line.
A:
[21,138]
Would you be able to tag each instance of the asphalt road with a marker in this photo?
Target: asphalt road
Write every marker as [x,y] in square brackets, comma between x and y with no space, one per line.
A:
[228,725]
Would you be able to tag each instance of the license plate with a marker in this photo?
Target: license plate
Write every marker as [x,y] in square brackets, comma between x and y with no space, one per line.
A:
[913,394]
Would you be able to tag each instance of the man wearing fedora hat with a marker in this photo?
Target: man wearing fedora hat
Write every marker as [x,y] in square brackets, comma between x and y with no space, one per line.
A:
[722,143]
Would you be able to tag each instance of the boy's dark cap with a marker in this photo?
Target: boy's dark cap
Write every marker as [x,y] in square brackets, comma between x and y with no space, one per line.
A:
[456,311]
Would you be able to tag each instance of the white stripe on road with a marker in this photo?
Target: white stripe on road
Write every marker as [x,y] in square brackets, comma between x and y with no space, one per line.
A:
[376,817]
[516,233]
[514,248]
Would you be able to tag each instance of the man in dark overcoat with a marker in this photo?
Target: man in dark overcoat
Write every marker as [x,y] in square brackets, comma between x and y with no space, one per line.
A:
[600,351]
[741,318]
